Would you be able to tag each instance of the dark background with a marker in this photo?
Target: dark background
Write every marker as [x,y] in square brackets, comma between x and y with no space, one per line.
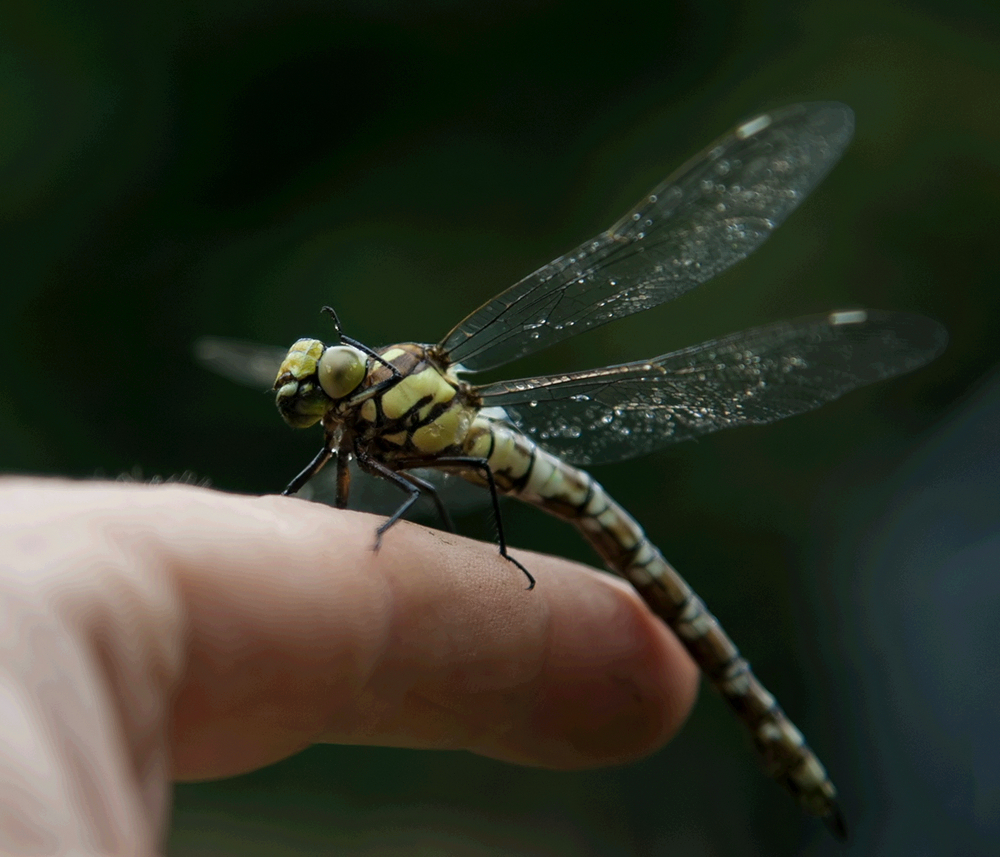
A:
[174,170]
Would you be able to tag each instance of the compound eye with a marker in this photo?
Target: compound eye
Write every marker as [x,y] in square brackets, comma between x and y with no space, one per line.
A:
[341,369]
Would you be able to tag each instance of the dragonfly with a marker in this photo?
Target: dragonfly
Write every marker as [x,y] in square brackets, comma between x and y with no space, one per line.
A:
[400,410]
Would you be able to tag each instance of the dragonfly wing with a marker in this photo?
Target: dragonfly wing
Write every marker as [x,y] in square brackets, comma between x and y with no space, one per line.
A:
[749,378]
[714,211]
[372,493]
[247,363]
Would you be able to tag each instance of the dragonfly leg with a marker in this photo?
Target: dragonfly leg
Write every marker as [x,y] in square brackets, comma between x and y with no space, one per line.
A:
[432,492]
[343,477]
[370,465]
[311,469]
[482,466]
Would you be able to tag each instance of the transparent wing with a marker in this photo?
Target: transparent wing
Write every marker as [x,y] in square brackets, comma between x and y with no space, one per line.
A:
[749,378]
[247,363]
[374,494]
[714,211]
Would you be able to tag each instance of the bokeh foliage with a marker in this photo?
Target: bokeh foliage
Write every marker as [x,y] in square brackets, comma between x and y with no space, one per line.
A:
[170,170]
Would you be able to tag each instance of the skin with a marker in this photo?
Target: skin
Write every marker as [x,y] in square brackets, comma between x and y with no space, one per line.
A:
[160,633]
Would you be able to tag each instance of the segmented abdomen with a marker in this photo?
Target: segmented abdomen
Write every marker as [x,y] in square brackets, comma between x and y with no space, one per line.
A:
[524,470]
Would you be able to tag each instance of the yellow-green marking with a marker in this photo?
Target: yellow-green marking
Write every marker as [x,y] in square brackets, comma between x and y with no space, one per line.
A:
[401,408]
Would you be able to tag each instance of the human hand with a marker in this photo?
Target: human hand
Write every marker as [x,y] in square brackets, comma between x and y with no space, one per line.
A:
[171,632]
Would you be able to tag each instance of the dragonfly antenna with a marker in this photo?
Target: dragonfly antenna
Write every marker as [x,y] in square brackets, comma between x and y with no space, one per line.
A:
[330,311]
[347,340]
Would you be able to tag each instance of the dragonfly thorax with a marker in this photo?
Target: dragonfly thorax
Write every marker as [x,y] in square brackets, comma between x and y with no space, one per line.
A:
[417,408]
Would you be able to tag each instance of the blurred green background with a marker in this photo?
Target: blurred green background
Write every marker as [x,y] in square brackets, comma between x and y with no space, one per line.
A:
[170,170]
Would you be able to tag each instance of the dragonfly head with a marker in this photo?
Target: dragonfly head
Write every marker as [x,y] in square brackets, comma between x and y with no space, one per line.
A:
[313,377]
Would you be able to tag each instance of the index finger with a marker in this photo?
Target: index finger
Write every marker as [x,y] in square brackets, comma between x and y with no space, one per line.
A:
[300,632]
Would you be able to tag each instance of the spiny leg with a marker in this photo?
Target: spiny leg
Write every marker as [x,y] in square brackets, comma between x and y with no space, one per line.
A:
[311,469]
[427,488]
[482,466]
[371,465]
[343,477]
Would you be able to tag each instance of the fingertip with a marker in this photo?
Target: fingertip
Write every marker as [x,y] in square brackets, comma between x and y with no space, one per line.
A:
[617,683]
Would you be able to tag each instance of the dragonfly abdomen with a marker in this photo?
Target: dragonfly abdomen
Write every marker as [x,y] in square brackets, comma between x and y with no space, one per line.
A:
[524,470]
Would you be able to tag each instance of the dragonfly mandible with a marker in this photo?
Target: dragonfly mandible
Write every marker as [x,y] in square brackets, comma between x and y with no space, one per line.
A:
[401,407]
